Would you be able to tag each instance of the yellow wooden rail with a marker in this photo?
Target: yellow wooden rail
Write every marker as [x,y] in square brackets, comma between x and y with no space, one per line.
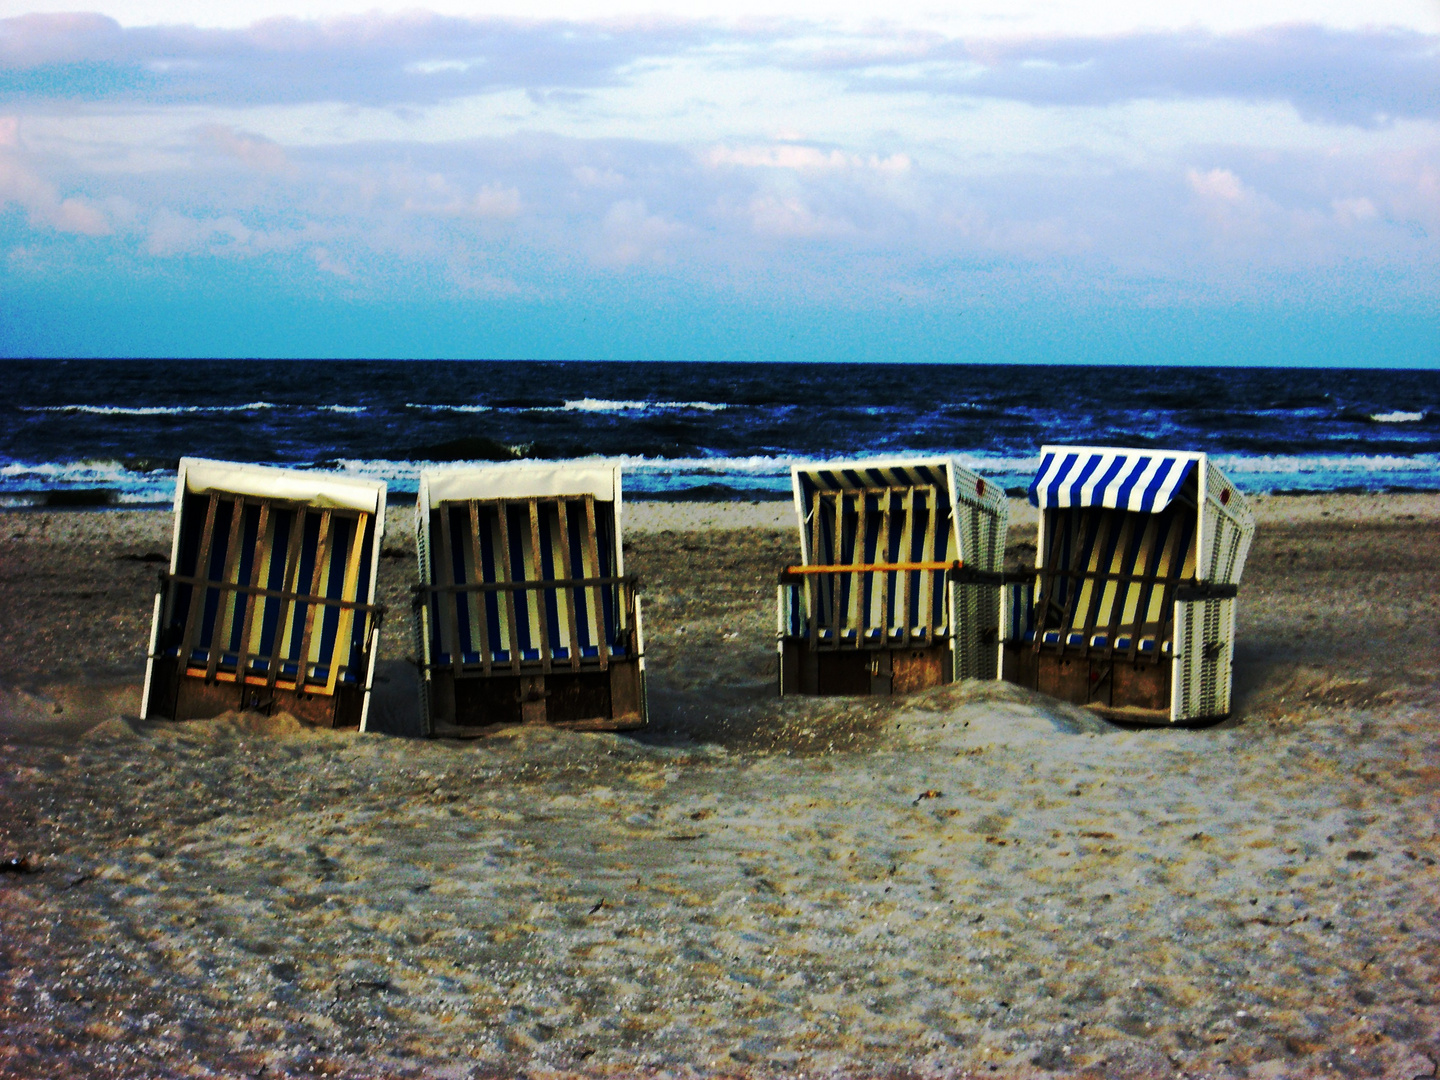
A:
[861,568]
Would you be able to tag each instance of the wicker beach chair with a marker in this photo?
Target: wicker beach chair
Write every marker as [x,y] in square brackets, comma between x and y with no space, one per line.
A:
[524,612]
[1131,610]
[269,600]
[898,588]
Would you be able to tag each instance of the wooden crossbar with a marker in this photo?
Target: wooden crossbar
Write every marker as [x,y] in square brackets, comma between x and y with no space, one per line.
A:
[522,586]
[275,594]
[862,568]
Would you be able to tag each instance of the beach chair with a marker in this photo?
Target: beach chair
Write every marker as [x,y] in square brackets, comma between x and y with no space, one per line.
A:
[269,600]
[524,612]
[1131,609]
[898,587]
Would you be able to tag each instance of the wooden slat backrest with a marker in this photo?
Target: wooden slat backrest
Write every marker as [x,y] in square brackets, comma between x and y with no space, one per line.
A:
[230,636]
[1113,571]
[555,587]
[848,532]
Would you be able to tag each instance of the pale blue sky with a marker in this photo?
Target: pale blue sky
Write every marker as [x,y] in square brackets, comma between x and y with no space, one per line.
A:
[1231,184]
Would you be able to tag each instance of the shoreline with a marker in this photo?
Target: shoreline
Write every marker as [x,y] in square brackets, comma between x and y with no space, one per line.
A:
[108,499]
[973,881]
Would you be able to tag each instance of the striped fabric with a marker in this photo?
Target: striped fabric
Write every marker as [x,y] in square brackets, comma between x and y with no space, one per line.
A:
[1143,480]
[856,479]
[538,542]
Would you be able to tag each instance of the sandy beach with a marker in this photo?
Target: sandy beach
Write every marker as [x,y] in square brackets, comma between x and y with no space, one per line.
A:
[976,881]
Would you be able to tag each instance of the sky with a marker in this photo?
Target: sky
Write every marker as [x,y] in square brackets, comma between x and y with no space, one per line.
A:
[1226,183]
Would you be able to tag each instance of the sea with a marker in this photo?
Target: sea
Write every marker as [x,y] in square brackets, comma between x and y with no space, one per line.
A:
[109,433]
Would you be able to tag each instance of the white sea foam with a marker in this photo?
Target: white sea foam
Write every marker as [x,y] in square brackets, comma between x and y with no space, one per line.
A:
[148,410]
[342,408]
[759,473]
[447,408]
[604,405]
[1397,417]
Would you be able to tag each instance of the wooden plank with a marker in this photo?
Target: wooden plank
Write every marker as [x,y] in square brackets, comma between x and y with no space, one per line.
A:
[287,604]
[341,646]
[228,573]
[1165,576]
[907,545]
[197,592]
[484,613]
[564,519]
[935,584]
[510,622]
[1067,619]
[322,549]
[596,603]
[838,551]
[537,574]
[450,602]
[1054,525]
[882,549]
[861,587]
[1095,585]
[812,585]
[257,563]
[1113,595]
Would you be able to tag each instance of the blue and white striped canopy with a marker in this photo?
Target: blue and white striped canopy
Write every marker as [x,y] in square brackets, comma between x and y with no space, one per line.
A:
[1144,480]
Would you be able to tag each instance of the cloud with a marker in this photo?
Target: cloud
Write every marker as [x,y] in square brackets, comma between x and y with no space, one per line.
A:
[373,59]
[1220,184]
[632,234]
[327,262]
[22,186]
[1360,77]
[790,218]
[256,151]
[495,201]
[802,158]
[1364,77]
[1352,212]
[179,234]
[435,195]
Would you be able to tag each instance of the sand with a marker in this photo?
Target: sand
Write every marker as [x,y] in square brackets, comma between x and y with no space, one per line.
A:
[974,881]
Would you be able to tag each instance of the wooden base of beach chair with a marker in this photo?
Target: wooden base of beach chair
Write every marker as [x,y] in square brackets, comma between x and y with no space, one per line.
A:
[174,696]
[1135,692]
[608,700]
[862,672]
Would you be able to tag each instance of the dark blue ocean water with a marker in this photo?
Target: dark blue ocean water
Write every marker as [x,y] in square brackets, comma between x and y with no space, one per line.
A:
[693,430]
